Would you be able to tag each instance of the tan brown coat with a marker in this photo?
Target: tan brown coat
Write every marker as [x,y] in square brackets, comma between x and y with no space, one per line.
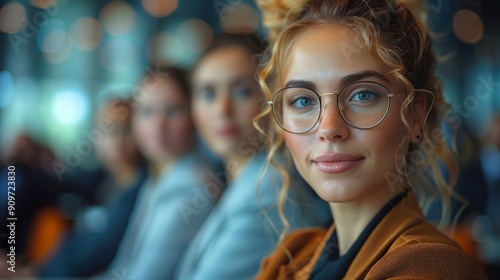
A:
[402,246]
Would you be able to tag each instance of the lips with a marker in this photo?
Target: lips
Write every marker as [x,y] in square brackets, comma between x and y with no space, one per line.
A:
[227,131]
[337,162]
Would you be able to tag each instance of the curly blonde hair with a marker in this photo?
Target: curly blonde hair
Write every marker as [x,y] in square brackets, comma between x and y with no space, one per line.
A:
[395,32]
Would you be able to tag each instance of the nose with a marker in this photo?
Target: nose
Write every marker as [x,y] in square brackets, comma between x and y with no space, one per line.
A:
[159,121]
[331,125]
[225,105]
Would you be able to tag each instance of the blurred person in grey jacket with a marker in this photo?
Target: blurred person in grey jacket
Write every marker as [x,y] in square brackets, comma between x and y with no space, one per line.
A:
[180,190]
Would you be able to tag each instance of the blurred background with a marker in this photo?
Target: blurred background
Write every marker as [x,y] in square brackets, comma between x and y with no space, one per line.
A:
[60,58]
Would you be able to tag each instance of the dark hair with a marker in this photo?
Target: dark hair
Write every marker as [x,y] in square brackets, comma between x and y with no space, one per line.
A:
[178,75]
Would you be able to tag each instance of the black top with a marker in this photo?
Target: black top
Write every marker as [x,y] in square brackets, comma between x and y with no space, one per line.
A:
[330,265]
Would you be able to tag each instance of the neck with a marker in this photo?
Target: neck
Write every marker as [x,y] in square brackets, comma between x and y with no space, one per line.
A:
[161,166]
[352,217]
[124,176]
[234,164]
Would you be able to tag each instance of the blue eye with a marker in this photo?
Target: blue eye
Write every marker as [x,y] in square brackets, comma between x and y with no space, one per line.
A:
[302,102]
[240,93]
[363,96]
[300,99]
[207,94]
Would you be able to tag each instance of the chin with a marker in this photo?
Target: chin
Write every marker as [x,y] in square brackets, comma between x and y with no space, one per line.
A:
[334,192]
[226,148]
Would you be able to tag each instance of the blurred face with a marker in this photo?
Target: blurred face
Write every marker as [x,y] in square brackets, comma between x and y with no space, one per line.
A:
[226,98]
[117,147]
[162,122]
[342,163]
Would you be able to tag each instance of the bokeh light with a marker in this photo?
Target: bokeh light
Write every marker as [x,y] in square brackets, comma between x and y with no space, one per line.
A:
[160,8]
[43,4]
[70,106]
[86,33]
[63,53]
[22,106]
[240,17]
[119,55]
[7,86]
[117,17]
[54,41]
[195,35]
[51,36]
[165,48]
[12,17]
[468,26]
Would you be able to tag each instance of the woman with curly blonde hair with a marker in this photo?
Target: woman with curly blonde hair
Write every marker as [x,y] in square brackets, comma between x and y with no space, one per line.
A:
[352,88]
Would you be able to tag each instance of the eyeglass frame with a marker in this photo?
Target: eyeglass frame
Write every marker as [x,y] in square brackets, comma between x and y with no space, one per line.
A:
[389,95]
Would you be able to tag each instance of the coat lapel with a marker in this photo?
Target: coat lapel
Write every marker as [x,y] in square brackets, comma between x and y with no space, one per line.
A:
[402,217]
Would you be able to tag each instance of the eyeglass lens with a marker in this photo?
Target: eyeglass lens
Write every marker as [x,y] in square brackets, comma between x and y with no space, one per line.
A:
[361,105]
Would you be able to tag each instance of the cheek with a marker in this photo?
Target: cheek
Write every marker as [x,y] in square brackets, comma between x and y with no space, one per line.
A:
[129,144]
[201,117]
[182,129]
[140,132]
[246,113]
[297,144]
[386,142]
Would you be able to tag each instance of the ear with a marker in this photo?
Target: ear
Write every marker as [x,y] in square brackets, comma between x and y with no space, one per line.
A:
[420,108]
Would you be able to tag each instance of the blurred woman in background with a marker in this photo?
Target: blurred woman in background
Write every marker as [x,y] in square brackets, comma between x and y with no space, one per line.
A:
[178,193]
[96,234]
[245,224]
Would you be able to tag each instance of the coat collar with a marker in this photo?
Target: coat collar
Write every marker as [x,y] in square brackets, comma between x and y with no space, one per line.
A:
[402,217]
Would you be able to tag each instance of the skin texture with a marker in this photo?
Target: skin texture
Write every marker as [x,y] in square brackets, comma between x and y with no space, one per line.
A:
[358,192]
[225,100]
[162,123]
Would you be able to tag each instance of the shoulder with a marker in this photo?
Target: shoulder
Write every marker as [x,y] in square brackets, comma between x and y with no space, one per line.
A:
[258,183]
[194,165]
[300,245]
[192,170]
[428,261]
[431,254]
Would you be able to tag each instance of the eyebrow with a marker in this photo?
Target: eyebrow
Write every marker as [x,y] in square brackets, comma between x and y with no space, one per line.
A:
[245,80]
[242,79]
[349,79]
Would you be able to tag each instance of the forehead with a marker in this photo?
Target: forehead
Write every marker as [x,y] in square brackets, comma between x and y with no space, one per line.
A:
[160,89]
[330,53]
[224,63]
[117,114]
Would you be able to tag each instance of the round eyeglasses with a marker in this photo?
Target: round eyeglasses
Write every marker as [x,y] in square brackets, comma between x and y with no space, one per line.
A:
[362,105]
